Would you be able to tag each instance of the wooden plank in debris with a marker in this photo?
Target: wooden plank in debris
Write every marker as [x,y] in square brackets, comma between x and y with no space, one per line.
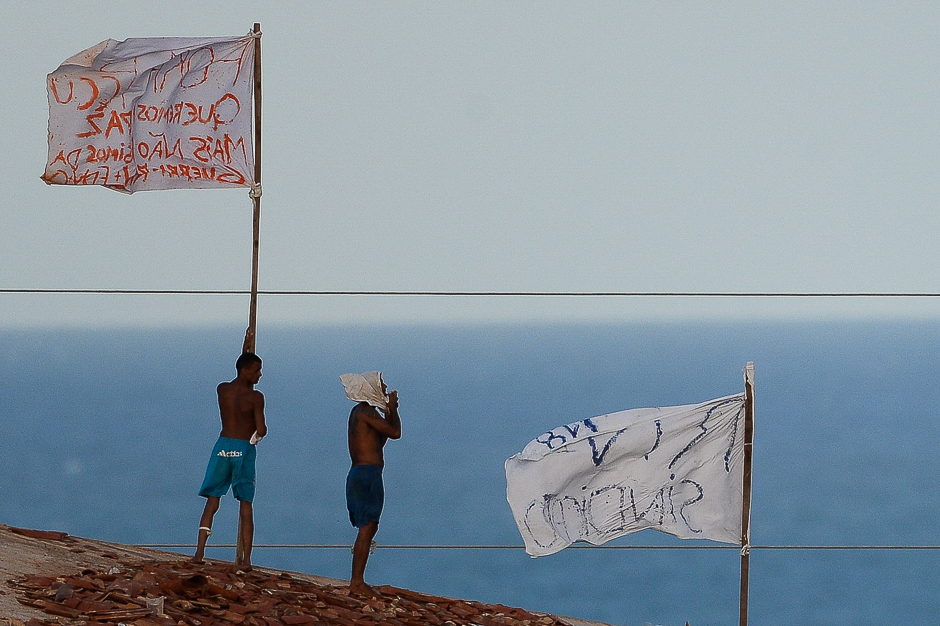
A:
[48,535]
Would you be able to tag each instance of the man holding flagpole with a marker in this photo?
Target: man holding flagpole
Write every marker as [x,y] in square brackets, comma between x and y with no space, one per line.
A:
[171,113]
[232,461]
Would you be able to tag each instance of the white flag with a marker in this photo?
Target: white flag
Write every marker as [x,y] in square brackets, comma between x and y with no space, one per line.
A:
[675,469]
[158,113]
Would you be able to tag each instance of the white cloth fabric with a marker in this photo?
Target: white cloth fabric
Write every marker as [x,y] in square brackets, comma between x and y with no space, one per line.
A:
[675,469]
[365,388]
[156,113]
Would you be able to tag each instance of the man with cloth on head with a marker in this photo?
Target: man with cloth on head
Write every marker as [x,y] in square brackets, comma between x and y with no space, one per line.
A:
[368,433]
[232,462]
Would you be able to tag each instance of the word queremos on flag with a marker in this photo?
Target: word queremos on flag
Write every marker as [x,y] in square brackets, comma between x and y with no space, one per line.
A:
[675,469]
[154,113]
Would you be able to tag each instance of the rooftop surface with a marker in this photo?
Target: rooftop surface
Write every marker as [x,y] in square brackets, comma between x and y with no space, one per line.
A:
[49,577]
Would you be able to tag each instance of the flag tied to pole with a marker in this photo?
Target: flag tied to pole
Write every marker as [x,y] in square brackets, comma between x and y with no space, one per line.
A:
[675,469]
[157,113]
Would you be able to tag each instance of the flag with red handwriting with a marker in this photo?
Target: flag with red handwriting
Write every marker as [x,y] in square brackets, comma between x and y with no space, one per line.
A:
[154,113]
[675,469]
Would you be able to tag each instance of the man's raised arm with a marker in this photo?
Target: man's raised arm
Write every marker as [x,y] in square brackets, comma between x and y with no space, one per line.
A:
[390,425]
[391,415]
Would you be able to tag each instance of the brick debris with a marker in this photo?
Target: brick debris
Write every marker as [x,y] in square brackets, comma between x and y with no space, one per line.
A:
[221,593]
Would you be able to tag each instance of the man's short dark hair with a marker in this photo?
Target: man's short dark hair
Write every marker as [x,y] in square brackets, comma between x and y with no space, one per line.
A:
[245,360]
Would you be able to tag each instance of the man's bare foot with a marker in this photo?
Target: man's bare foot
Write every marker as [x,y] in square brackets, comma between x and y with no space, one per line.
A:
[197,561]
[362,589]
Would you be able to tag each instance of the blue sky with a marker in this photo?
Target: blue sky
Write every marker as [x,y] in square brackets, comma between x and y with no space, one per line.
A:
[495,146]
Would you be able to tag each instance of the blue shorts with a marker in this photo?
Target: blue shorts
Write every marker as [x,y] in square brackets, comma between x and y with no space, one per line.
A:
[232,463]
[365,494]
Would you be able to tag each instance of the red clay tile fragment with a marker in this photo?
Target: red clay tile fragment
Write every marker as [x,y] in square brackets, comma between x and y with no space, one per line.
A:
[241,609]
[293,620]
[54,608]
[85,583]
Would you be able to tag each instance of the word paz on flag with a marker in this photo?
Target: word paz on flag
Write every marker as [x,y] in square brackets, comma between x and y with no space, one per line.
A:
[154,113]
[675,469]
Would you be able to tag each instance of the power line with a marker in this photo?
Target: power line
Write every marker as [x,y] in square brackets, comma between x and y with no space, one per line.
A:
[328,546]
[527,294]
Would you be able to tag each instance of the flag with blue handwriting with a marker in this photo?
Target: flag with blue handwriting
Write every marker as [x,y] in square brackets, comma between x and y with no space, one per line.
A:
[676,469]
[153,113]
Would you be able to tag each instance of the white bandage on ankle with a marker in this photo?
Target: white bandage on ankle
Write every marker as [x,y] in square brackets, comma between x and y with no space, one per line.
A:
[207,529]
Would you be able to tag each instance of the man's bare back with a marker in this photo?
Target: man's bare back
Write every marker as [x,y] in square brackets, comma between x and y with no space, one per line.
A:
[232,461]
[369,431]
[241,407]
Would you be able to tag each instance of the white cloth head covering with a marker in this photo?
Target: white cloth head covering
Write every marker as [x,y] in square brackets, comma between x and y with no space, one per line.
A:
[365,388]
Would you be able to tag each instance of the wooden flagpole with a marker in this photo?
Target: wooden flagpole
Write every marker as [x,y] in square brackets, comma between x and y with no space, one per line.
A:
[746,508]
[255,194]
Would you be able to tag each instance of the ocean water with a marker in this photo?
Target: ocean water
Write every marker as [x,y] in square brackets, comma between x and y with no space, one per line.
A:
[106,435]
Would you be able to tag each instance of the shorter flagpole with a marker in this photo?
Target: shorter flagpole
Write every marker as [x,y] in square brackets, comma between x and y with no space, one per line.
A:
[746,508]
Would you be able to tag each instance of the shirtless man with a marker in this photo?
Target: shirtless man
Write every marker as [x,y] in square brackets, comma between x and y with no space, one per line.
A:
[232,461]
[365,493]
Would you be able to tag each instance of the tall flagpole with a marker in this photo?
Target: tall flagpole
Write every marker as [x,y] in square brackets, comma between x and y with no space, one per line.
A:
[255,194]
[746,508]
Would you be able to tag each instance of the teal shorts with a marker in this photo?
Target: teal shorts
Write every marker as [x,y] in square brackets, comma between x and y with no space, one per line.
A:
[232,463]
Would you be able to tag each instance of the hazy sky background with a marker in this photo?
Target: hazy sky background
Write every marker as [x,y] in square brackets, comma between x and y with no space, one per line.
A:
[556,146]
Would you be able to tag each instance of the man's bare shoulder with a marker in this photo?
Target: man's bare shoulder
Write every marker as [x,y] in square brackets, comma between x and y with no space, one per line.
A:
[363,409]
[362,415]
[231,387]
